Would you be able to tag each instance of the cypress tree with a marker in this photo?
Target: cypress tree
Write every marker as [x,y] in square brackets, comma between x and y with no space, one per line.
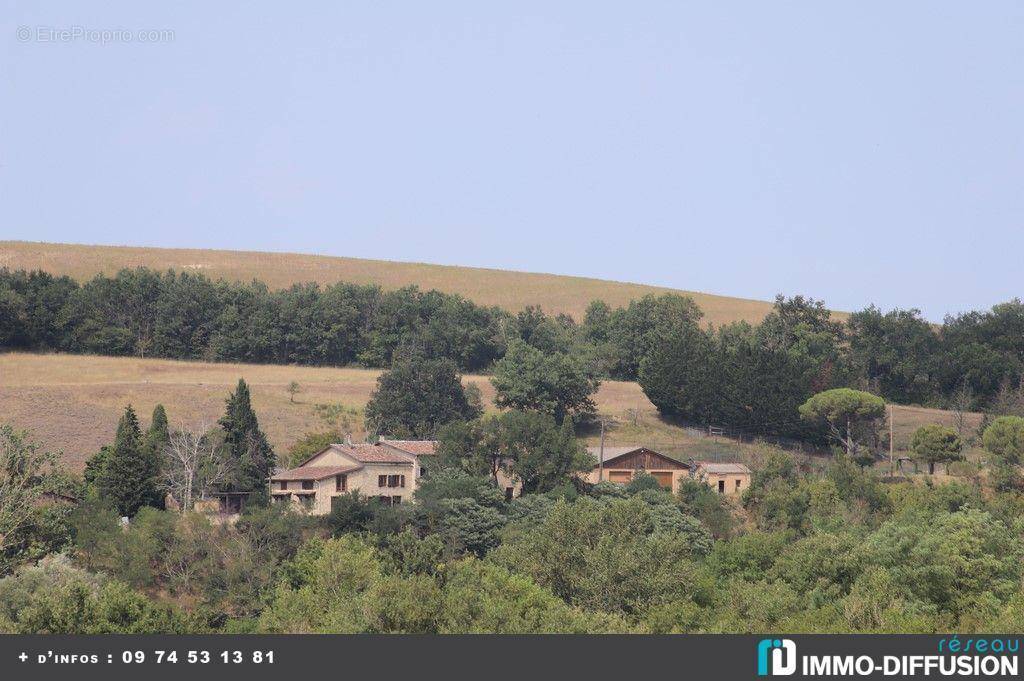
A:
[158,434]
[247,445]
[128,479]
[156,439]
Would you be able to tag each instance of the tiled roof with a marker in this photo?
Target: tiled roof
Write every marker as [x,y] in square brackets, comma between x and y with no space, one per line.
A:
[415,447]
[711,467]
[612,452]
[313,472]
[367,453]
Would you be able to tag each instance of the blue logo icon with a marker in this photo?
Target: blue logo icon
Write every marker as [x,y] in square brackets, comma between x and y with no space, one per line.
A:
[776,657]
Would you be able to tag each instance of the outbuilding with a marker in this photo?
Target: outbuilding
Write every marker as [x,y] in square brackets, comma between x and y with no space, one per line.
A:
[621,464]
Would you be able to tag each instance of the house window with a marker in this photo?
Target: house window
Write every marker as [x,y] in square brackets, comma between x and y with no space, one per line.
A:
[307,484]
[283,484]
[423,471]
[509,491]
[340,482]
[721,486]
[396,480]
[737,485]
[396,500]
[382,481]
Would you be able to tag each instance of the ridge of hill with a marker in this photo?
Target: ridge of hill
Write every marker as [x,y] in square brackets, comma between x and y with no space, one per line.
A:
[507,289]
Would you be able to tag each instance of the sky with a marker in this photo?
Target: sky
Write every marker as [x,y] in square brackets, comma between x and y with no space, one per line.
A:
[856,152]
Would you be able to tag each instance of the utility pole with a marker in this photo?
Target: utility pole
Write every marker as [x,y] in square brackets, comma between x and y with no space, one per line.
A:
[892,470]
[600,460]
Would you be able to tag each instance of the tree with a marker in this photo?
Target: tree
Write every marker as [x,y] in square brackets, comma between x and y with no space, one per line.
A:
[465,525]
[156,439]
[310,444]
[250,455]
[22,483]
[894,352]
[1004,438]
[293,389]
[483,598]
[935,443]
[960,403]
[548,456]
[417,396]
[475,447]
[611,556]
[677,375]
[193,465]
[525,445]
[1008,400]
[852,416]
[557,384]
[129,476]
[159,432]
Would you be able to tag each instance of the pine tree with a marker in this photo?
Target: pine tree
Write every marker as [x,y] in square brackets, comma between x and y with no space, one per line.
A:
[247,445]
[128,478]
[156,439]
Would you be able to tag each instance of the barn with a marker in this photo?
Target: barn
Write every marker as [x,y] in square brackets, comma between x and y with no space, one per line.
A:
[622,463]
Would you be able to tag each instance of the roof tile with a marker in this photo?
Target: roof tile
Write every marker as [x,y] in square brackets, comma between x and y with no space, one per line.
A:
[312,472]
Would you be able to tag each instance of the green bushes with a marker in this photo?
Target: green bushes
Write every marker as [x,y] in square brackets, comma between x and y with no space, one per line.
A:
[55,597]
[828,551]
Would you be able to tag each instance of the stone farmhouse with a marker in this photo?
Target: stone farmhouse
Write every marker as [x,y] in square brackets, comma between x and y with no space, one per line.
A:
[388,470]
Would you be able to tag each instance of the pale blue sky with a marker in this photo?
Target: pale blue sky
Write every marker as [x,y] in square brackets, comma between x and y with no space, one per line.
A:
[858,152]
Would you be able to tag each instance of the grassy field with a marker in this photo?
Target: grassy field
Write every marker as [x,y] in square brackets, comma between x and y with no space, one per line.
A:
[506,289]
[72,402]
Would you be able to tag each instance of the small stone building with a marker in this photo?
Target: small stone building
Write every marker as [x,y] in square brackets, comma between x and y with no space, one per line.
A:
[724,478]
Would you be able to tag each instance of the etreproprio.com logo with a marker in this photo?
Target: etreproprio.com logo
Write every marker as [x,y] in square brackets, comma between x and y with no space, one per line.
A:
[778,657]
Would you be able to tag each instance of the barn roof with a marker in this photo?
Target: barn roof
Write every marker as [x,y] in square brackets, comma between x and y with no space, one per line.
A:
[636,457]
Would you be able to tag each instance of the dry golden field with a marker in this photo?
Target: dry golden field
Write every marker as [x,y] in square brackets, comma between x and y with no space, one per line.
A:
[71,403]
[509,290]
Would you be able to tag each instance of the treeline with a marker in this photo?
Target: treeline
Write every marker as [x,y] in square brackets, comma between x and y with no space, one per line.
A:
[741,375]
[753,378]
[186,316]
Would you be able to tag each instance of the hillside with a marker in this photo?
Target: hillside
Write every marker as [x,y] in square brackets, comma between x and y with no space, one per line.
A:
[72,402]
[510,290]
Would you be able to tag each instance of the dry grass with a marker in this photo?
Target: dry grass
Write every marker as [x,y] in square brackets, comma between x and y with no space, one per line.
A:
[908,419]
[72,402]
[510,290]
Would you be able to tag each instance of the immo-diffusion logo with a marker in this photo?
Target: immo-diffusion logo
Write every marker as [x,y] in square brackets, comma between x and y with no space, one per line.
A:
[776,657]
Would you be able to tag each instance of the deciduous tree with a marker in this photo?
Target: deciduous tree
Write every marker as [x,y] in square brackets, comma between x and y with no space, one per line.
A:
[557,384]
[417,396]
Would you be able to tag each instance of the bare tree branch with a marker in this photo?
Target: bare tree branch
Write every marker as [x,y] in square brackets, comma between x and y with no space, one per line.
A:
[193,464]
